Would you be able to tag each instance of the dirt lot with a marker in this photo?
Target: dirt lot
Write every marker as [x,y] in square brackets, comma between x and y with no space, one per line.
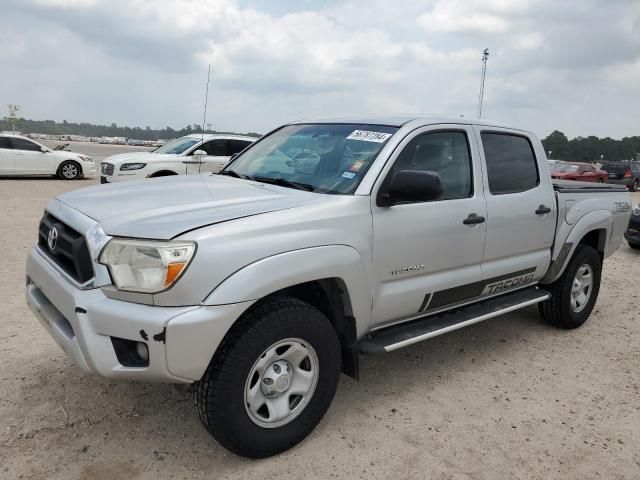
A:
[509,398]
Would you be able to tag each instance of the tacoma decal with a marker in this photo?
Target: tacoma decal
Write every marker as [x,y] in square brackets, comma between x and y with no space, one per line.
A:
[412,268]
[507,283]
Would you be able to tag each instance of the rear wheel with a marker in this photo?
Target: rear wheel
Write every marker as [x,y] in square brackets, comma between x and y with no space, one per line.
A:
[574,294]
[69,170]
[272,379]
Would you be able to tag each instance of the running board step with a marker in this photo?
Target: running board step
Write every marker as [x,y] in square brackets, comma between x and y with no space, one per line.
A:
[414,331]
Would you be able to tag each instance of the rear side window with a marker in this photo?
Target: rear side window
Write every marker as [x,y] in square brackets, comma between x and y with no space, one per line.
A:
[236,146]
[4,143]
[511,163]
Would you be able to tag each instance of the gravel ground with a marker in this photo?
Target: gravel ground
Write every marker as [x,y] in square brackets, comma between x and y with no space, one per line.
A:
[509,398]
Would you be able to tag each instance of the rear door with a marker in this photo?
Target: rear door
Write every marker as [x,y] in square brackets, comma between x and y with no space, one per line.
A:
[425,257]
[6,157]
[521,209]
[29,159]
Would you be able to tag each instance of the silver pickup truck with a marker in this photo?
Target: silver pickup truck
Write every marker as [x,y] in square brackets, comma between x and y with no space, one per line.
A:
[323,240]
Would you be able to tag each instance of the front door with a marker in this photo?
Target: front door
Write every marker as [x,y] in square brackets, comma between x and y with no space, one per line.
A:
[6,156]
[213,162]
[29,159]
[521,223]
[427,255]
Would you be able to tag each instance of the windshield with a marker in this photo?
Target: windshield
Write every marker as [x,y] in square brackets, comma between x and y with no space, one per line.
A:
[564,168]
[327,158]
[177,146]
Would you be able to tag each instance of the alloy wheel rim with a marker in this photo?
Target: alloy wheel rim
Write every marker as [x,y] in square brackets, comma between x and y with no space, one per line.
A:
[581,288]
[281,383]
[69,170]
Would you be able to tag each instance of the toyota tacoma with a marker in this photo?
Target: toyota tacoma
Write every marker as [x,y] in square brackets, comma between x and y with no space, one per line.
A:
[322,241]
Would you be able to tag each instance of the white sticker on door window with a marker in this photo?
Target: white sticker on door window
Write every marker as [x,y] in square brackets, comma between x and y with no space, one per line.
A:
[368,136]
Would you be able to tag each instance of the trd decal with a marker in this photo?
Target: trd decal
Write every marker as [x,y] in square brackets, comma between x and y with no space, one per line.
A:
[506,284]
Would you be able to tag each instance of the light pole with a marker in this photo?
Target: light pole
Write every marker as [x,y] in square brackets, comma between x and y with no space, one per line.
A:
[485,56]
[13,116]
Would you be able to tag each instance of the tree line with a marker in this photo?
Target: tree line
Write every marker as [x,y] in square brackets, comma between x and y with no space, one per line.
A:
[50,127]
[579,149]
[590,149]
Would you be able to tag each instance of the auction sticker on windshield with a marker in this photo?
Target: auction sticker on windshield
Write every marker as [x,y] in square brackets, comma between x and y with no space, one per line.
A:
[368,136]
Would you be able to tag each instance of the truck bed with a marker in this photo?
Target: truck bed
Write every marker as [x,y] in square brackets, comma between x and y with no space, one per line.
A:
[573,186]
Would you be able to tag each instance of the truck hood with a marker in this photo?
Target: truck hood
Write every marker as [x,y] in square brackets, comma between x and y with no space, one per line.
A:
[166,207]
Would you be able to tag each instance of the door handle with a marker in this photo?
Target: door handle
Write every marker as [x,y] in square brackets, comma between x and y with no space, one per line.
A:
[542,209]
[473,219]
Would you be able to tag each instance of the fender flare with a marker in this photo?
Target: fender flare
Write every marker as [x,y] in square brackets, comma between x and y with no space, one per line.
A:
[271,274]
[596,220]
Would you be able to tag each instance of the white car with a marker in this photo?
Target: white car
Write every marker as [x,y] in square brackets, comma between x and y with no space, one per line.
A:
[191,154]
[22,156]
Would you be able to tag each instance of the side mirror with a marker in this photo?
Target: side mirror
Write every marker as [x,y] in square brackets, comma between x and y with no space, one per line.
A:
[411,186]
[199,154]
[44,149]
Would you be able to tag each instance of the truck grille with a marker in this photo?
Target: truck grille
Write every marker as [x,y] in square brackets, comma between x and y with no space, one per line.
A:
[66,247]
[106,168]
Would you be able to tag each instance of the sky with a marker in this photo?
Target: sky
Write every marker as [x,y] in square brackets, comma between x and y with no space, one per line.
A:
[571,65]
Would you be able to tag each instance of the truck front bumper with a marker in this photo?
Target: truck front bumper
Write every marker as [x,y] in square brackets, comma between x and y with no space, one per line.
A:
[180,340]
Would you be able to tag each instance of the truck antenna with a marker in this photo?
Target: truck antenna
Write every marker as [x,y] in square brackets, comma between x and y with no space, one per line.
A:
[485,56]
[206,98]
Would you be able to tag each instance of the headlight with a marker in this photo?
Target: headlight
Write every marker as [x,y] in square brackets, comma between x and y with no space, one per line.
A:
[132,166]
[636,209]
[146,266]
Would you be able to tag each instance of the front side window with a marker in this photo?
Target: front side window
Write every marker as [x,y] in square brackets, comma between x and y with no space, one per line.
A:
[326,158]
[445,153]
[22,144]
[214,148]
[5,143]
[511,163]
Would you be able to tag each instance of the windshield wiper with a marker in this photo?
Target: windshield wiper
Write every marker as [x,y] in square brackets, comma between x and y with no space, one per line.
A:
[231,173]
[282,182]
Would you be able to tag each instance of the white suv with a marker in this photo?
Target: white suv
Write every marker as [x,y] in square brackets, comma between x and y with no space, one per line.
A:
[190,154]
[22,156]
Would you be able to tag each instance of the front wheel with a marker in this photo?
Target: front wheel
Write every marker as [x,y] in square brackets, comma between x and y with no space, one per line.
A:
[574,294]
[272,379]
[69,170]
[634,185]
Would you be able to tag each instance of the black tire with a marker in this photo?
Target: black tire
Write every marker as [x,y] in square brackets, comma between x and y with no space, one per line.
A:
[635,246]
[219,396]
[69,170]
[557,310]
[634,186]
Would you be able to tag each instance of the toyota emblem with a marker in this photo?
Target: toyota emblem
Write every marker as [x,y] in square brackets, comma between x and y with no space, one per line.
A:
[52,238]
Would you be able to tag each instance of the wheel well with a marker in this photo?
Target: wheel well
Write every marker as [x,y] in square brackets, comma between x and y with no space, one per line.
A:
[162,173]
[596,239]
[331,297]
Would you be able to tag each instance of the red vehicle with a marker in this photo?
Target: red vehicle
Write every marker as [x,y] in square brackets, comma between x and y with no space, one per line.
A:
[584,172]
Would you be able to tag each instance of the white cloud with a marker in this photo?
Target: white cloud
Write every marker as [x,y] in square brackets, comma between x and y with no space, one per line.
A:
[552,65]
